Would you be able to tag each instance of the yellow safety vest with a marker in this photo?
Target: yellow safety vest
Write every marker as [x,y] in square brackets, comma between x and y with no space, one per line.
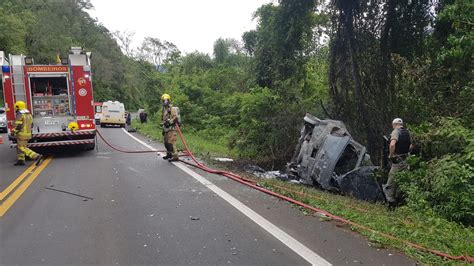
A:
[23,124]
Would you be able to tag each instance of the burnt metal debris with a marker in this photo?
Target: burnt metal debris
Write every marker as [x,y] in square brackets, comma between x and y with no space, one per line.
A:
[326,156]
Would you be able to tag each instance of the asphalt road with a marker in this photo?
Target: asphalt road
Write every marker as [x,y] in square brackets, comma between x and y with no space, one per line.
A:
[109,208]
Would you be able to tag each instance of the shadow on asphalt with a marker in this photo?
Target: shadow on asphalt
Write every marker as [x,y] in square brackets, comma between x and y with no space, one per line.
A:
[64,152]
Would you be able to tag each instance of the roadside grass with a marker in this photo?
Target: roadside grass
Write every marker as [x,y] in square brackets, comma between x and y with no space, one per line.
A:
[202,145]
[425,229]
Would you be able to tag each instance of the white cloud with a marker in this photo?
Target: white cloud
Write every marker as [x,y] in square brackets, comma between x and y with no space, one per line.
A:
[190,24]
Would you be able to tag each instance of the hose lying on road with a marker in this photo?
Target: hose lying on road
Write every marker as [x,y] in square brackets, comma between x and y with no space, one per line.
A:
[253,184]
[122,150]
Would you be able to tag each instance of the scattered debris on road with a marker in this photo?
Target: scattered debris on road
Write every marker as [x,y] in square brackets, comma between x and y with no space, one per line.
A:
[67,192]
[261,173]
[223,159]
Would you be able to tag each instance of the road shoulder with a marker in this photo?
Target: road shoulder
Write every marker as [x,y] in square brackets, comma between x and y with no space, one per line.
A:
[330,240]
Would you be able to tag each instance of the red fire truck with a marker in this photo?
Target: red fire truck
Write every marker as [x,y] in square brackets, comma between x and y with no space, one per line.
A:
[60,98]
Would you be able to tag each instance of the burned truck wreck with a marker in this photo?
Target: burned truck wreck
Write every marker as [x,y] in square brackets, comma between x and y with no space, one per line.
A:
[326,156]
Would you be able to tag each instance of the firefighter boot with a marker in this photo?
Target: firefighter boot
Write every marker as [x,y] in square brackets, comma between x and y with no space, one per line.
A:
[19,163]
[168,152]
[20,157]
[174,154]
[39,159]
[174,158]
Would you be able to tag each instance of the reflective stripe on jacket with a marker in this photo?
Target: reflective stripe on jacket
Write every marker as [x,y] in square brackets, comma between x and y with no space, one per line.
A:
[23,124]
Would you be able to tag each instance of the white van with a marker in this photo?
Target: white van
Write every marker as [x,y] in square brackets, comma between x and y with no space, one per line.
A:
[113,113]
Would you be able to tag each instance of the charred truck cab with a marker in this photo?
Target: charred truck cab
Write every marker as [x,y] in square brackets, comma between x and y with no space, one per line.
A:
[327,156]
[60,98]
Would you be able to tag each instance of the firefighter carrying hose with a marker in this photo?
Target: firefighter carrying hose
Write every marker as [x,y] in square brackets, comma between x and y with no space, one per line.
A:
[170,119]
[22,134]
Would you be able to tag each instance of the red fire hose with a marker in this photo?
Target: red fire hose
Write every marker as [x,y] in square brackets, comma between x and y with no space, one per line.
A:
[122,150]
[252,184]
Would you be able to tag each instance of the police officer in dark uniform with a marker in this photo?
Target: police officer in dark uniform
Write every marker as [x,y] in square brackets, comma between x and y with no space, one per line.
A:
[400,147]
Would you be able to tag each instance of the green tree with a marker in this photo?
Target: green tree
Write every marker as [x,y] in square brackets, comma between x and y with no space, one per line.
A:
[221,50]
[364,37]
[282,47]
[250,41]
[12,37]
[195,62]
[451,79]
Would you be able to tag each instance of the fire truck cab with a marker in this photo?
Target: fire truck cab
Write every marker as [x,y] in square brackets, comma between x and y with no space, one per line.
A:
[60,98]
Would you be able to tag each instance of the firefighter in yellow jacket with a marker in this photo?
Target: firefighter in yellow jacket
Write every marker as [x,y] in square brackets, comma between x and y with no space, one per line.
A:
[22,134]
[170,118]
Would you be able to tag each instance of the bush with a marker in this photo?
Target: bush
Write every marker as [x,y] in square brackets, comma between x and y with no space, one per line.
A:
[444,186]
[442,179]
[268,128]
[444,136]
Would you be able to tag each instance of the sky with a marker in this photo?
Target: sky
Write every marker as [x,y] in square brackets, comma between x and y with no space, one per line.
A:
[190,24]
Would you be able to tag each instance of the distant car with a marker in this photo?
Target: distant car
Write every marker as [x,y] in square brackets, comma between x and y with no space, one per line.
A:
[3,120]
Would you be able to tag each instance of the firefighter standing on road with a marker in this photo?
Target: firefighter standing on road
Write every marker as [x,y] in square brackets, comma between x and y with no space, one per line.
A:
[169,119]
[22,134]
[400,147]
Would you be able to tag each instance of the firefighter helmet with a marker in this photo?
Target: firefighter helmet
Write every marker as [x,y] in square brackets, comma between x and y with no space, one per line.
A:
[165,97]
[20,105]
[73,126]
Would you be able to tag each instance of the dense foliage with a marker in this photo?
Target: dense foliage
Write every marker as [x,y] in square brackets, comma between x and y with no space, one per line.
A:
[254,95]
[384,59]
[441,178]
[42,29]
[411,59]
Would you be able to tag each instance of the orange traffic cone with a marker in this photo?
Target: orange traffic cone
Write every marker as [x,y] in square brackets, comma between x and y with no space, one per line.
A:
[1,139]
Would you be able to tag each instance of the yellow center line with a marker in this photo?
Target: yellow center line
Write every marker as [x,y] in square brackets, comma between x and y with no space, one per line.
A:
[17,181]
[23,187]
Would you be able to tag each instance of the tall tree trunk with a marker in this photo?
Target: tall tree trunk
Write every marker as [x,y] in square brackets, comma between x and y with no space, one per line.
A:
[363,115]
[388,94]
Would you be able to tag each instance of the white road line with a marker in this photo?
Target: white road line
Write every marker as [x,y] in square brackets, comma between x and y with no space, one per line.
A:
[138,140]
[279,234]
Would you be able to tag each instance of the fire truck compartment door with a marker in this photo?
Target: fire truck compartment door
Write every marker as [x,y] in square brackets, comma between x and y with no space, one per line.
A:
[48,124]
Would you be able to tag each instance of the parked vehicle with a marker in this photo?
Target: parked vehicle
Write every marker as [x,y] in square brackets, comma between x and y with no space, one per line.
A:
[3,120]
[113,113]
[60,98]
